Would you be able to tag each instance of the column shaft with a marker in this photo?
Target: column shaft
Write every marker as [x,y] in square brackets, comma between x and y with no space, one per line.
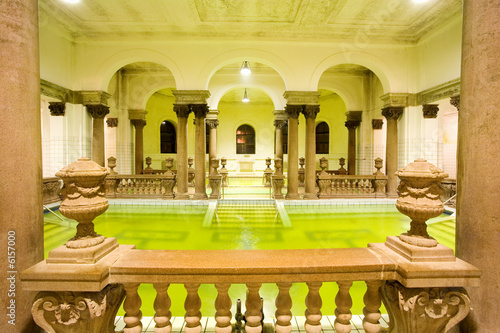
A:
[98,141]
[200,191]
[139,144]
[478,208]
[351,148]
[310,112]
[392,114]
[293,112]
[279,124]
[21,151]
[182,155]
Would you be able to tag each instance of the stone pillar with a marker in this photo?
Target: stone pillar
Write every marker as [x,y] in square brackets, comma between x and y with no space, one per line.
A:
[21,151]
[98,112]
[293,112]
[139,144]
[351,125]
[392,114]
[200,112]
[213,123]
[310,112]
[478,208]
[182,111]
[280,123]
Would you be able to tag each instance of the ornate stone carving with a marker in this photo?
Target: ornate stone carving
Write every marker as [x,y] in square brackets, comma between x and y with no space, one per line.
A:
[267,173]
[438,92]
[398,99]
[51,189]
[302,97]
[182,110]
[191,96]
[352,124]
[212,123]
[57,108]
[169,183]
[199,110]
[423,310]
[53,90]
[78,312]
[149,169]
[302,171]
[96,97]
[138,123]
[310,111]
[341,170]
[430,110]
[324,180]
[112,122]
[278,180]
[83,200]
[419,192]
[392,112]
[455,101]
[223,171]
[293,111]
[97,111]
[377,124]
[214,179]
[190,172]
[280,124]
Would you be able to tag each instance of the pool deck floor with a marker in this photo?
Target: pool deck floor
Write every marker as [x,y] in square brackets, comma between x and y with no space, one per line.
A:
[208,324]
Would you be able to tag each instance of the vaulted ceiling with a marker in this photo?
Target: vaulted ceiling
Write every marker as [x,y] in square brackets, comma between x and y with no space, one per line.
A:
[401,21]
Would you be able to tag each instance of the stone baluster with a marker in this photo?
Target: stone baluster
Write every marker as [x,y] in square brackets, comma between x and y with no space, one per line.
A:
[313,311]
[132,307]
[283,306]
[192,305]
[371,310]
[343,314]
[162,308]
[223,307]
[253,304]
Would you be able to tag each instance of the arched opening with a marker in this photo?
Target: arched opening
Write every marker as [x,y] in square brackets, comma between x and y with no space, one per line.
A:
[168,138]
[245,140]
[322,138]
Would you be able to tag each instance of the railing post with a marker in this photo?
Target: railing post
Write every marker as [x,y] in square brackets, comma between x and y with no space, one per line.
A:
[223,308]
[253,304]
[283,305]
[371,311]
[132,307]
[162,308]
[192,305]
[313,311]
[343,301]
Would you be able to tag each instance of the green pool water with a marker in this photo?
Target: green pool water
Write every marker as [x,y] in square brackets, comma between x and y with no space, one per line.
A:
[249,226]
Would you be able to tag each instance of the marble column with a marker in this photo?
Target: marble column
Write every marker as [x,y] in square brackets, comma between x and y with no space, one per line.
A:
[351,125]
[139,144]
[478,208]
[182,111]
[200,112]
[392,114]
[310,112]
[21,161]
[293,112]
[98,112]
[212,123]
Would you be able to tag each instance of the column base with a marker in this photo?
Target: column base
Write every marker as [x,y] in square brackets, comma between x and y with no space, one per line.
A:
[292,196]
[200,196]
[310,196]
[181,196]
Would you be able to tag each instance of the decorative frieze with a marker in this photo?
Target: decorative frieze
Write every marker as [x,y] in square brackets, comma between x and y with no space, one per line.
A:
[398,100]
[377,124]
[55,91]
[310,111]
[455,101]
[138,123]
[191,96]
[112,122]
[94,97]
[293,111]
[430,110]
[438,92]
[97,111]
[302,97]
[57,108]
[392,112]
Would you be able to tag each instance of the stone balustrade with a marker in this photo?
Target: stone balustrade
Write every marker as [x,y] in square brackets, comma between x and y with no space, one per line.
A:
[140,186]
[51,189]
[342,186]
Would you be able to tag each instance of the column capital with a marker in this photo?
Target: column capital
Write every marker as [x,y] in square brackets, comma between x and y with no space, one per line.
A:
[310,111]
[138,123]
[57,108]
[455,101]
[430,110]
[393,112]
[377,124]
[212,123]
[199,110]
[97,111]
[279,124]
[137,114]
[112,122]
[352,124]
[191,96]
[293,111]
[182,110]
[302,97]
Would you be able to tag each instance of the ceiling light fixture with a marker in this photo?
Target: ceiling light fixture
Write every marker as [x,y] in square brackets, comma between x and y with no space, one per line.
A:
[245,68]
[419,1]
[72,1]
[245,97]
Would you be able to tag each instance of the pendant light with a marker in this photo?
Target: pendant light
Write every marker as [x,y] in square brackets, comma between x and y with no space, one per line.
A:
[245,68]
[245,97]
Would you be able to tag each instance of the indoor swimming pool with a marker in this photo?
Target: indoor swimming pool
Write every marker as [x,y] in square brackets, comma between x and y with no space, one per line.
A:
[249,224]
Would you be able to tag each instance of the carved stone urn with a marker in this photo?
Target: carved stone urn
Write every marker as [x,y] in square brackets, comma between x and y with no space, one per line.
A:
[148,169]
[419,199]
[83,200]
[323,164]
[112,165]
[223,171]
[278,180]
[169,163]
[190,172]
[214,178]
[302,171]
[267,173]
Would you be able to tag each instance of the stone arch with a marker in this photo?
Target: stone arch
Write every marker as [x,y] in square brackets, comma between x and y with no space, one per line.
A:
[118,60]
[346,96]
[373,63]
[277,100]
[230,57]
